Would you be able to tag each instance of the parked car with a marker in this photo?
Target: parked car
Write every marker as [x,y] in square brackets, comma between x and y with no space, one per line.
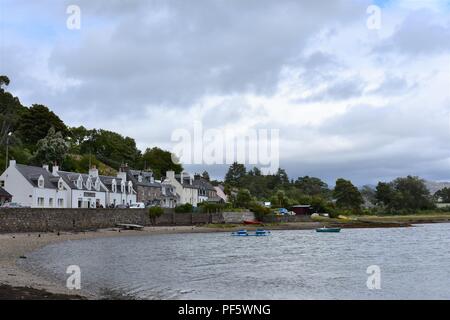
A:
[137,205]
[13,205]
[121,206]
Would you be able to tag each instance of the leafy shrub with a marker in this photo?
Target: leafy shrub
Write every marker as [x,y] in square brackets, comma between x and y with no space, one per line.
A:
[153,213]
[184,208]
[259,210]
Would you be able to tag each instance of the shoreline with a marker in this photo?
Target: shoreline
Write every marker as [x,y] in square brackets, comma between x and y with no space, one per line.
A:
[18,283]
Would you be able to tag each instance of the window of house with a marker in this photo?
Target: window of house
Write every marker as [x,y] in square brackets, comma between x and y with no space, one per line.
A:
[41,182]
[2,183]
[80,183]
[50,202]
[60,185]
[88,184]
[40,202]
[123,187]
[97,185]
[60,203]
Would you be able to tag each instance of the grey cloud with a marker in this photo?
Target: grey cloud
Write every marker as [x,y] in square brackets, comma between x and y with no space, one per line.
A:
[393,85]
[337,90]
[418,34]
[175,52]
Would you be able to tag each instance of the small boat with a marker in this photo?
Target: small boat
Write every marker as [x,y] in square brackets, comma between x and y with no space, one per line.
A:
[128,226]
[240,233]
[325,229]
[261,233]
[251,222]
[244,233]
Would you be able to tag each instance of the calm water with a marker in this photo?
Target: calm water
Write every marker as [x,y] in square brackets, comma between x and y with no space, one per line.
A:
[414,262]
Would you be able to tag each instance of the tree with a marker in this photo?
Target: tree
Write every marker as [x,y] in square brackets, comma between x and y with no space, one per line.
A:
[282,177]
[404,194]
[78,136]
[347,195]
[280,199]
[10,110]
[312,186]
[111,148]
[51,149]
[243,199]
[368,194]
[160,161]
[153,213]
[386,195]
[4,81]
[205,175]
[414,194]
[234,175]
[35,123]
[443,195]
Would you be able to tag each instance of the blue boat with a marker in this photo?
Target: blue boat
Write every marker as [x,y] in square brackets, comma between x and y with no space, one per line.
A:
[245,233]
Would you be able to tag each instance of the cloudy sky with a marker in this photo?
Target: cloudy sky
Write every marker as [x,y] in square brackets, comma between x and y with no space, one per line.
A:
[349,100]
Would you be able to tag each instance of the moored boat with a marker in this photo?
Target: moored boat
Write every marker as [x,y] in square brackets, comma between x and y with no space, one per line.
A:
[325,229]
[244,233]
[251,222]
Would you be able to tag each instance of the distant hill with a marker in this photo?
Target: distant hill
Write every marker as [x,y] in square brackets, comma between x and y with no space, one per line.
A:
[434,186]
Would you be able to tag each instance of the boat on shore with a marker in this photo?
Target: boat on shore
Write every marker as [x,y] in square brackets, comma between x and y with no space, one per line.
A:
[251,222]
[325,229]
[245,233]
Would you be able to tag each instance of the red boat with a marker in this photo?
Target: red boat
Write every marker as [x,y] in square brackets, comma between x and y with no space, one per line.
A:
[251,222]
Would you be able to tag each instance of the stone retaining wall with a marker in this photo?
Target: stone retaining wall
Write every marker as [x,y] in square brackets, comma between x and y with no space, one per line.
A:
[44,220]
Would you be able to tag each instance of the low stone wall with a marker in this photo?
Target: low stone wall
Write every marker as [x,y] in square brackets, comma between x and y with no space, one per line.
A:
[45,220]
[238,217]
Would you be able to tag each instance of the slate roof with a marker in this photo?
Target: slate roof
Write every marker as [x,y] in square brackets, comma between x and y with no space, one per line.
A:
[71,179]
[203,183]
[107,181]
[146,178]
[32,175]
[185,181]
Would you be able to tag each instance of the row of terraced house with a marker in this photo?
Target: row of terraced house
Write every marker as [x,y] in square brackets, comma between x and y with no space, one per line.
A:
[40,187]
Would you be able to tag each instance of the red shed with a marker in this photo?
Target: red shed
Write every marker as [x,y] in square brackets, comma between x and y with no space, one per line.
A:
[302,209]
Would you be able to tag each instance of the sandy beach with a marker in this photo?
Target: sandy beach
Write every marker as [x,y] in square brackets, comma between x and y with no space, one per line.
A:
[16,281]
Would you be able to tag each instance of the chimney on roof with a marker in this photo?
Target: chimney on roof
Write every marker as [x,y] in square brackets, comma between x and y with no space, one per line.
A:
[55,170]
[12,163]
[122,175]
[45,166]
[170,175]
[93,172]
[123,167]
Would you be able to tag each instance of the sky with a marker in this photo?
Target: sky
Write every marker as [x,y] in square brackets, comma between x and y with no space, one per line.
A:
[349,99]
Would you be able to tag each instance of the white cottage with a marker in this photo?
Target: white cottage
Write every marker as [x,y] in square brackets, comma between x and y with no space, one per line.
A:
[183,185]
[35,187]
[38,187]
